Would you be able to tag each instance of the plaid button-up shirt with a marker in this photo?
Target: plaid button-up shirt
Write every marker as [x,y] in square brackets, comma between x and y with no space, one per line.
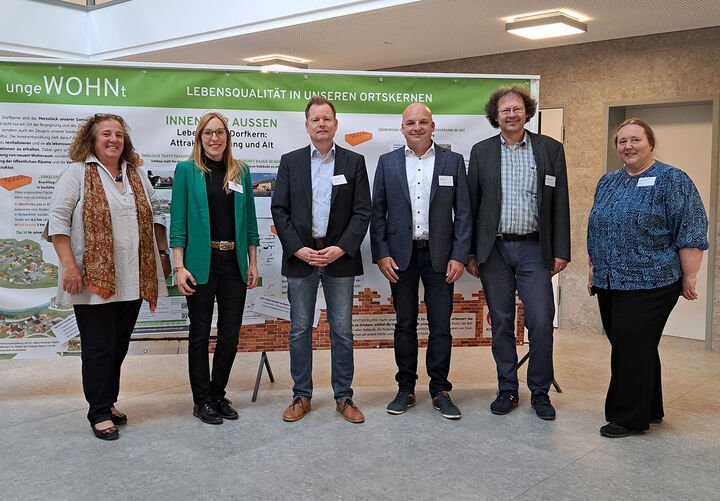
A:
[518,214]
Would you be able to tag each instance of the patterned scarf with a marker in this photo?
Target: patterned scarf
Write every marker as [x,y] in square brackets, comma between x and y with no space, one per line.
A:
[99,256]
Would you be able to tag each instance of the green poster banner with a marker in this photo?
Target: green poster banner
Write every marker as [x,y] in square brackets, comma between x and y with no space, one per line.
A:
[242,89]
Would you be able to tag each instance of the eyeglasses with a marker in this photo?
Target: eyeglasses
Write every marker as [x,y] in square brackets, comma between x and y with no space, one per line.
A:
[516,111]
[208,133]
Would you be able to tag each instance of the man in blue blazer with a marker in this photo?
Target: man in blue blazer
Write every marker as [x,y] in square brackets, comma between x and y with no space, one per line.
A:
[413,234]
[521,238]
[321,210]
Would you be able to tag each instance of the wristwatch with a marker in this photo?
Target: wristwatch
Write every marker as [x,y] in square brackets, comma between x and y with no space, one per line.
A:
[164,252]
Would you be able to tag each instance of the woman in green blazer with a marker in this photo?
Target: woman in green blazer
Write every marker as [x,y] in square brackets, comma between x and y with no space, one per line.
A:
[214,237]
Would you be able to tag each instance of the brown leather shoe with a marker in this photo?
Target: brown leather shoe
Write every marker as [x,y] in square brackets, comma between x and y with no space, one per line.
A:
[298,408]
[350,411]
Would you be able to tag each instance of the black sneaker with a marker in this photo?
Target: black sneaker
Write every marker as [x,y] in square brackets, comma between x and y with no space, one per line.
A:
[224,408]
[441,401]
[613,430]
[207,413]
[401,402]
[543,408]
[505,401]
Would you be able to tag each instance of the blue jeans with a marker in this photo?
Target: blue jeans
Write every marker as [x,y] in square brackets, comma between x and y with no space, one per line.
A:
[518,266]
[302,292]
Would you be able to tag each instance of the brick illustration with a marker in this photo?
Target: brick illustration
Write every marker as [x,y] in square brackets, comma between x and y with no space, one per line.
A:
[357,137]
[273,334]
[15,182]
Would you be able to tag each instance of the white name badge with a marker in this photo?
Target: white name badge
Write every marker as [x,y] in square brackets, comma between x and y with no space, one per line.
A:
[549,180]
[338,180]
[646,181]
[445,180]
[235,187]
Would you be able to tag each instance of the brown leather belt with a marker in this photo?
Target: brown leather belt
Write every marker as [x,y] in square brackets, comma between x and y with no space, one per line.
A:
[222,245]
[509,237]
[319,243]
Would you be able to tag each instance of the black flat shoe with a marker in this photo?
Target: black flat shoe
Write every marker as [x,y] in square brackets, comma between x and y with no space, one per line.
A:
[118,418]
[613,430]
[106,434]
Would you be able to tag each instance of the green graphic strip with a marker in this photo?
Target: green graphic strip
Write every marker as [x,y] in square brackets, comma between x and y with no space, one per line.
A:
[203,89]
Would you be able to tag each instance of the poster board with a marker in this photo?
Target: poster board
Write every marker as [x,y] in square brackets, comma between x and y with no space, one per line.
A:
[43,102]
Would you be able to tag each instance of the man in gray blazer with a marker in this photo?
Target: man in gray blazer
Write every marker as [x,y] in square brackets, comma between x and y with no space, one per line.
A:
[321,209]
[521,238]
[413,235]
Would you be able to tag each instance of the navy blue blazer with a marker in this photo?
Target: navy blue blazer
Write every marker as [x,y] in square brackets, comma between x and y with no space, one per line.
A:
[391,226]
[291,209]
[484,181]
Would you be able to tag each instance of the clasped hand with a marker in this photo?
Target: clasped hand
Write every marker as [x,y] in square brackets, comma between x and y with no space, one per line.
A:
[322,257]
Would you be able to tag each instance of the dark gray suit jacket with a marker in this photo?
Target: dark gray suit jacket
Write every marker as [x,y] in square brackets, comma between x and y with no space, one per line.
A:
[391,227]
[350,207]
[484,181]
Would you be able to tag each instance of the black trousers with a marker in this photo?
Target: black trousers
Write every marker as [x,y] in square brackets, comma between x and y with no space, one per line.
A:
[105,331]
[634,322]
[439,302]
[225,284]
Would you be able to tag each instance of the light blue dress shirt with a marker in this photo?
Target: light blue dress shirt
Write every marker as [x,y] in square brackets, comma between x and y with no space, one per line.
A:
[322,171]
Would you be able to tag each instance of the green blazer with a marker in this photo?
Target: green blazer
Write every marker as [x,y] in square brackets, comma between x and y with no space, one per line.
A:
[190,220]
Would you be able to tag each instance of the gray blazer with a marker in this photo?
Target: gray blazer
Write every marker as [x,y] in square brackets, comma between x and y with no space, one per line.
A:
[552,201]
[391,231]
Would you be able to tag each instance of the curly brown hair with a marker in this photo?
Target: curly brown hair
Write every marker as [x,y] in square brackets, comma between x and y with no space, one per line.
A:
[491,108]
[84,142]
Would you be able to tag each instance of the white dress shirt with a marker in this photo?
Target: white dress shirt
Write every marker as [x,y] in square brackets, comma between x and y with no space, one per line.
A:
[419,171]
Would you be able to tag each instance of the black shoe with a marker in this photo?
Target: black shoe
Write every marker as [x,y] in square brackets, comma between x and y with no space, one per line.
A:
[613,430]
[106,434]
[505,401]
[118,417]
[656,420]
[207,413]
[224,408]
[441,401]
[543,408]
[401,402]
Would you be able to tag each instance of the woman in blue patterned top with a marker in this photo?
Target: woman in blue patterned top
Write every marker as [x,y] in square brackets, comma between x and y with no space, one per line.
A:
[646,234]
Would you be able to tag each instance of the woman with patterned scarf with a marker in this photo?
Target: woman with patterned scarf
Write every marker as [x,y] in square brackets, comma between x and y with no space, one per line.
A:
[214,237]
[106,225]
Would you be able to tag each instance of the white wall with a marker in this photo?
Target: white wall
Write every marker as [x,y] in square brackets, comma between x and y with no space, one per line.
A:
[142,25]
[43,29]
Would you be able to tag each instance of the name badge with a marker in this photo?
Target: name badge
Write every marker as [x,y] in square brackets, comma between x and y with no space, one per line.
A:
[549,180]
[235,187]
[646,181]
[445,180]
[338,180]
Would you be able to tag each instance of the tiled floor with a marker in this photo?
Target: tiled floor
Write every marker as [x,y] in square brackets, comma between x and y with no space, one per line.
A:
[49,452]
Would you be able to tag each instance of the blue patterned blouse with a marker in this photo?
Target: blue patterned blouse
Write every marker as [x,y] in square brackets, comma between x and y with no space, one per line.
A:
[638,223]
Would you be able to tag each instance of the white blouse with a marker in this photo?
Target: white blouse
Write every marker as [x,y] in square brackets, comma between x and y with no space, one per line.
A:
[66,219]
